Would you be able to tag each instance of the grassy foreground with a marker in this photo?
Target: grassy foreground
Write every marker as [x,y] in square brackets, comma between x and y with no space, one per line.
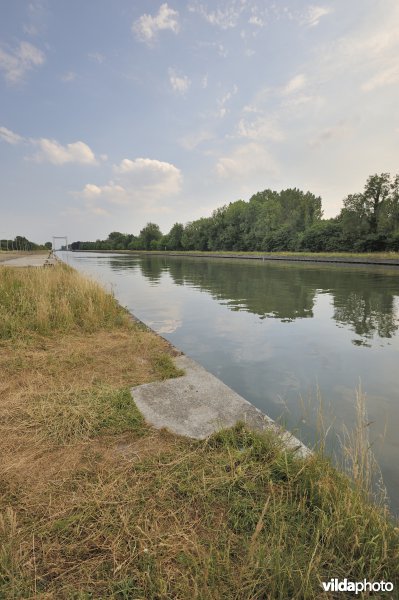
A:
[96,504]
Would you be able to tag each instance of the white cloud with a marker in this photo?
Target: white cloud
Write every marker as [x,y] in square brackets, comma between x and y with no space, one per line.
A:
[96,57]
[30,29]
[10,137]
[221,50]
[313,101]
[97,210]
[295,84]
[52,151]
[223,110]
[339,130]
[367,56]
[69,76]
[191,141]
[91,190]
[19,61]
[314,14]
[57,154]
[257,21]
[261,128]
[179,84]
[152,177]
[388,76]
[141,184]
[147,26]
[249,160]
[225,17]
[373,43]
[112,192]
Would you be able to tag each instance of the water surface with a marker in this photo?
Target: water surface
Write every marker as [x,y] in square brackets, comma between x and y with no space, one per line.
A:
[277,333]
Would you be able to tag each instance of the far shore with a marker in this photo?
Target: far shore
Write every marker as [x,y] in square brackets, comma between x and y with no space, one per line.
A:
[371,258]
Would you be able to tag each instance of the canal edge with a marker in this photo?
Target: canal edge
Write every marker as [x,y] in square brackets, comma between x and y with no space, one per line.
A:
[191,405]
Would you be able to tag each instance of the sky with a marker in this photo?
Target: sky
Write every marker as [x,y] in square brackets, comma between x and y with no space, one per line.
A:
[114,113]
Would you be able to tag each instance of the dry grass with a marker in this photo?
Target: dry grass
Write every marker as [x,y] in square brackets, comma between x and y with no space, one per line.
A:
[53,300]
[95,504]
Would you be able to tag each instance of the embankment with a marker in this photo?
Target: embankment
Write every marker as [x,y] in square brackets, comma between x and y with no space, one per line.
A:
[382,258]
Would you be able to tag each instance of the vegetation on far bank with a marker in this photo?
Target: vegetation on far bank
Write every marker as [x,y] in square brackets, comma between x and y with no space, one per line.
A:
[96,504]
[22,244]
[255,253]
[290,220]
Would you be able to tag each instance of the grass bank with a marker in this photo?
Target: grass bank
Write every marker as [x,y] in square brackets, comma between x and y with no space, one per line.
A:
[96,504]
[345,257]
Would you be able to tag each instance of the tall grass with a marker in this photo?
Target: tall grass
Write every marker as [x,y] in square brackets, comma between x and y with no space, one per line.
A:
[53,300]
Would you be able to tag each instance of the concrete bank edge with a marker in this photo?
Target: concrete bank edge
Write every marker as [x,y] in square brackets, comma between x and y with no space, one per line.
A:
[392,262]
[198,404]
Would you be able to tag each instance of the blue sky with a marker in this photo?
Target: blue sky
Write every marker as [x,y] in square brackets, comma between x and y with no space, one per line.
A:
[116,113]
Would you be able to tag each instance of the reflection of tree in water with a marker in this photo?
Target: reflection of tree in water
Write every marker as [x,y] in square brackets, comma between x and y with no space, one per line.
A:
[152,267]
[368,310]
[121,263]
[363,297]
[251,287]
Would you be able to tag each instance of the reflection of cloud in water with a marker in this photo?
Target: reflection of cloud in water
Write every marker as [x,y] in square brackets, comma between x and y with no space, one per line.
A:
[225,325]
[348,394]
[166,326]
[251,353]
[290,380]
[168,316]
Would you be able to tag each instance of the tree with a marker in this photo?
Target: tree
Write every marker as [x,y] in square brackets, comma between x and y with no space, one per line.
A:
[389,214]
[362,213]
[376,192]
[174,237]
[117,241]
[325,236]
[149,233]
[196,235]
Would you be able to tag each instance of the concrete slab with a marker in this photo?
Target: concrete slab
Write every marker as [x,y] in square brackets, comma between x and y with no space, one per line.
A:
[29,261]
[198,404]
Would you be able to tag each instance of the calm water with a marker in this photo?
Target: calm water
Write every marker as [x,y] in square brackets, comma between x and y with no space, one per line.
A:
[276,333]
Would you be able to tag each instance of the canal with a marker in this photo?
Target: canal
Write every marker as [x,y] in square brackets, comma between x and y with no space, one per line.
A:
[293,339]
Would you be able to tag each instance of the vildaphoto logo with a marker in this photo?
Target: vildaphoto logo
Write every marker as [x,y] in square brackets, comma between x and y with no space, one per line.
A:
[345,585]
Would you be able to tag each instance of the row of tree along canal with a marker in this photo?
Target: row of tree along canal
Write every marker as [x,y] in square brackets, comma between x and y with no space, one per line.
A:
[289,220]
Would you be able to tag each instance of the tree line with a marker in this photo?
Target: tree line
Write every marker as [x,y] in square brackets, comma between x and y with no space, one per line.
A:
[289,220]
[22,243]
